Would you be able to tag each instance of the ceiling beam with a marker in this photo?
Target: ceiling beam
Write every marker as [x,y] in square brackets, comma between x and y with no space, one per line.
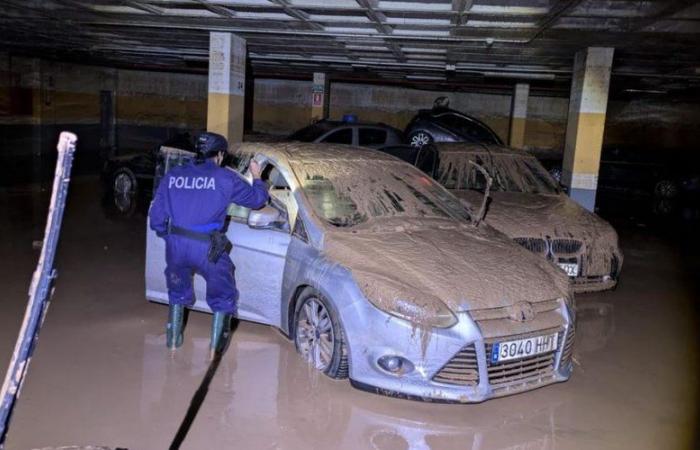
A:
[216,9]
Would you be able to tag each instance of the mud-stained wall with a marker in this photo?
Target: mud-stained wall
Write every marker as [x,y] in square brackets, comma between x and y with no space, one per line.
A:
[39,99]
[283,106]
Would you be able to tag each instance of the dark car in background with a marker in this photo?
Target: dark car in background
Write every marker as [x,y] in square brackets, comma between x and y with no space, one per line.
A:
[668,180]
[442,124]
[128,178]
[349,132]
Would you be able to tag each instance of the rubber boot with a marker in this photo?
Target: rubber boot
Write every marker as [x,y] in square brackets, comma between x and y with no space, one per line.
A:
[220,328]
[173,330]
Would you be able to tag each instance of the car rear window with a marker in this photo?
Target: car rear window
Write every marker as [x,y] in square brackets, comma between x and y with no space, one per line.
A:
[372,136]
[312,132]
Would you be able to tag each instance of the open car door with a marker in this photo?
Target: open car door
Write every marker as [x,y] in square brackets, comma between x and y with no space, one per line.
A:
[259,255]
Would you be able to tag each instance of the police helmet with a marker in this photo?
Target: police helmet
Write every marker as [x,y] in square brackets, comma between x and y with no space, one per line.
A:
[209,145]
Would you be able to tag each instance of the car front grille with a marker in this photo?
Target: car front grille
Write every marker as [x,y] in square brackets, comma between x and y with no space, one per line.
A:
[504,312]
[565,246]
[525,369]
[461,370]
[535,245]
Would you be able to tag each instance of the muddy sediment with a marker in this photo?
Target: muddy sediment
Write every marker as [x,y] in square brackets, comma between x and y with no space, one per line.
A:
[525,206]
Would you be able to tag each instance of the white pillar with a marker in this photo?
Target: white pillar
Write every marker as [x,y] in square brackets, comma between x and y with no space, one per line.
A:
[518,115]
[225,101]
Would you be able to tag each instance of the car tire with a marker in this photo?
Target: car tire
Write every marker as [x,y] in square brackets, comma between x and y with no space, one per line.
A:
[418,139]
[665,189]
[123,189]
[318,334]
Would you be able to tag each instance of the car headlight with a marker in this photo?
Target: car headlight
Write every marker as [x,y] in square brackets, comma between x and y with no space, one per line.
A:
[570,301]
[404,302]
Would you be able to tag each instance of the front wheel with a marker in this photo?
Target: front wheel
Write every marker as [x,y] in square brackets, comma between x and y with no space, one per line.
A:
[665,189]
[318,335]
[124,187]
[419,138]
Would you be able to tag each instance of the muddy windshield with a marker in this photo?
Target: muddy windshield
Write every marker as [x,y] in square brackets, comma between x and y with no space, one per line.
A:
[349,192]
[511,173]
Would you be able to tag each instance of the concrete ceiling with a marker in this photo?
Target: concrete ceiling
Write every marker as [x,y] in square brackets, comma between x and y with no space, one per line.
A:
[436,42]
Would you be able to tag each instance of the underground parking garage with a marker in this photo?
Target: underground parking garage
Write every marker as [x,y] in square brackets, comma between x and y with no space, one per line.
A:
[454,224]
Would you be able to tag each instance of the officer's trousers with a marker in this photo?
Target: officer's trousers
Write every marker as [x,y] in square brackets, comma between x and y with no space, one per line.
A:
[184,257]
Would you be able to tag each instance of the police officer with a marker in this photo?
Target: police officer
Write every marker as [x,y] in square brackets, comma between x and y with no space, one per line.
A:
[189,211]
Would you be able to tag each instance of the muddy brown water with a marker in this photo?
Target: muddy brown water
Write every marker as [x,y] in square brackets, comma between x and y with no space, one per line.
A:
[101,375]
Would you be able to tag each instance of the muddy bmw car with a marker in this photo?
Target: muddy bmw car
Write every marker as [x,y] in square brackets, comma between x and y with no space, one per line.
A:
[379,274]
[527,205]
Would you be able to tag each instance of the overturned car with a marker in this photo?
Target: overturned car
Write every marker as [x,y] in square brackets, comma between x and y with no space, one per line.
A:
[379,274]
[527,205]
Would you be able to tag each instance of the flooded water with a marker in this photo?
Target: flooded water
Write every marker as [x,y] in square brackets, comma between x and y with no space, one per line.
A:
[101,374]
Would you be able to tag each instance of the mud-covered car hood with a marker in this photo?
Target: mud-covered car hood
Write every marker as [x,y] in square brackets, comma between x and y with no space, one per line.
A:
[464,267]
[550,216]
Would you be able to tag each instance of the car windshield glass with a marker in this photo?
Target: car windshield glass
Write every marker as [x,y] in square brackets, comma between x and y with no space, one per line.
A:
[466,128]
[346,192]
[510,173]
[312,132]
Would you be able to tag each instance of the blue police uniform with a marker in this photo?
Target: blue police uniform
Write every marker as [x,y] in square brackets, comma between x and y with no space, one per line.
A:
[195,197]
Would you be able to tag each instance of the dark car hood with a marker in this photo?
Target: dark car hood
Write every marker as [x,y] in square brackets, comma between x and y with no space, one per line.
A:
[466,268]
[550,216]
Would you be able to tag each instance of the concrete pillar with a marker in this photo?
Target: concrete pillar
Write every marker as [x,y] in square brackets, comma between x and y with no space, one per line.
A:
[320,96]
[225,102]
[586,122]
[518,115]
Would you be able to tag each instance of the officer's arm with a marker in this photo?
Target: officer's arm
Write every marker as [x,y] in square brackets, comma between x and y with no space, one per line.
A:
[159,213]
[251,196]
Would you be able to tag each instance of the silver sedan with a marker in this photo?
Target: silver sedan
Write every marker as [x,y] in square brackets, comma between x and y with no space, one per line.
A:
[377,273]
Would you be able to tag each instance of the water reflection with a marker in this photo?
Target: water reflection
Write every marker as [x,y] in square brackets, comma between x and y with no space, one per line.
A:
[595,326]
[264,396]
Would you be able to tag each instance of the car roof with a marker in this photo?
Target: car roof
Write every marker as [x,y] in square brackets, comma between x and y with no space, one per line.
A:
[307,151]
[472,148]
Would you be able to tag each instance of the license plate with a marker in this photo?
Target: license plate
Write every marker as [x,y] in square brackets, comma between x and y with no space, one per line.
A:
[522,348]
[571,269]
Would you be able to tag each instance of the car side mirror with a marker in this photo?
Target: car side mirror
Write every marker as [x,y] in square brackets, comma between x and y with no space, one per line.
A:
[264,218]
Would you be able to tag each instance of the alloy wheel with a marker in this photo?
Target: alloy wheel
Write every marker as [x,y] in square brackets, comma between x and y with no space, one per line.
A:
[420,139]
[314,335]
[123,184]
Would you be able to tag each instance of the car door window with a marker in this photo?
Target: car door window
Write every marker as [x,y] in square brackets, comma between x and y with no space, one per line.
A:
[372,136]
[280,192]
[343,136]
[239,162]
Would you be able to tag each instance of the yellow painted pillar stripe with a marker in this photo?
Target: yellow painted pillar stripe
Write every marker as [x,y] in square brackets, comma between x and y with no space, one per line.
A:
[586,123]
[518,116]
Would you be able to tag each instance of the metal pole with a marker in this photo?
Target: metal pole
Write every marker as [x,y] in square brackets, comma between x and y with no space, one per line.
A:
[40,288]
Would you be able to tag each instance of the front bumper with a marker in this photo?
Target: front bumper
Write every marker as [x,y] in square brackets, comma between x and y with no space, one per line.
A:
[438,356]
[593,284]
[597,270]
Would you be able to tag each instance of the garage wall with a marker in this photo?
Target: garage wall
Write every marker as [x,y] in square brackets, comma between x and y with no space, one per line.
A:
[38,99]
[283,106]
